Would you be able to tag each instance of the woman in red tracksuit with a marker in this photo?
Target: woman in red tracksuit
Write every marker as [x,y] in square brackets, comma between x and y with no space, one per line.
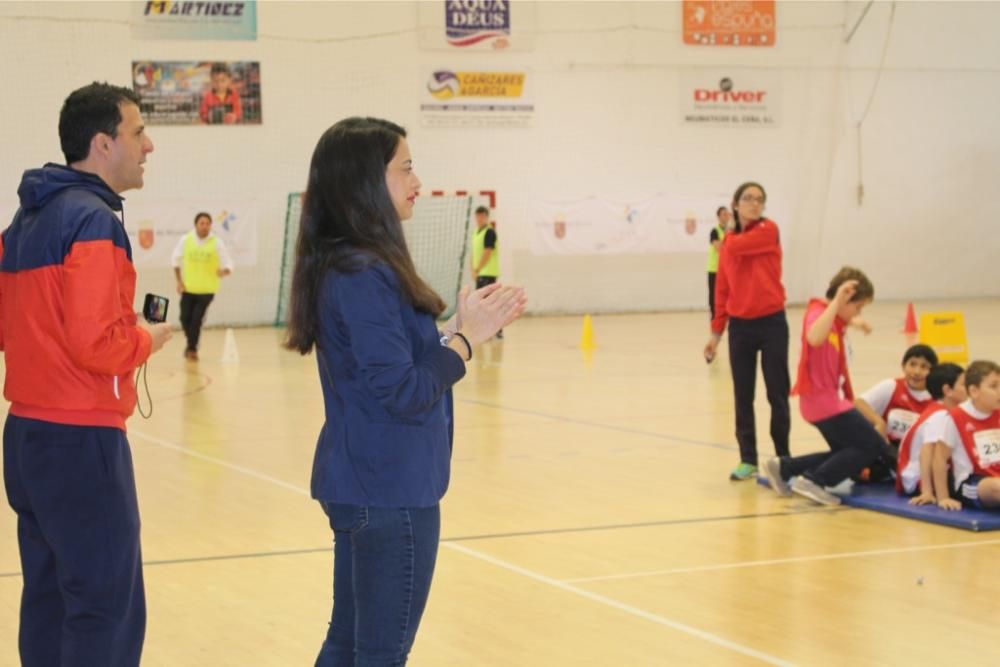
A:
[750,297]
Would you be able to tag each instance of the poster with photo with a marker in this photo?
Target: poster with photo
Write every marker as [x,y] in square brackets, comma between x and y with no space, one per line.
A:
[199,92]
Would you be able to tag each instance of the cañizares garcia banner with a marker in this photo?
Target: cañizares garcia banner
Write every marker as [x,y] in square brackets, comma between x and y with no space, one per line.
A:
[194,19]
[479,98]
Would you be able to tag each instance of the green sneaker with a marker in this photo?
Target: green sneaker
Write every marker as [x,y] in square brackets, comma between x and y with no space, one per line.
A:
[743,472]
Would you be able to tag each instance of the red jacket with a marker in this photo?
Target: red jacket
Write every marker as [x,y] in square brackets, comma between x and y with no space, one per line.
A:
[67,286]
[748,284]
[232,104]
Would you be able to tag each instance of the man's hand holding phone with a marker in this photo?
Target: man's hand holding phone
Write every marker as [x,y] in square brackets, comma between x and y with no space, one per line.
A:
[154,310]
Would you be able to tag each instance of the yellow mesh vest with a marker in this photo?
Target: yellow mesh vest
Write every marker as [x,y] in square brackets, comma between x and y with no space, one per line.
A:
[492,268]
[201,265]
[713,254]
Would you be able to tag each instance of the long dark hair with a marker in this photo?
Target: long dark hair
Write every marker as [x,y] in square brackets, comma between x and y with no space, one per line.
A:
[348,221]
[736,199]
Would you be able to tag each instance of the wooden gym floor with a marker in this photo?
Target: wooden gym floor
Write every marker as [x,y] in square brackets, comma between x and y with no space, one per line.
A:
[590,520]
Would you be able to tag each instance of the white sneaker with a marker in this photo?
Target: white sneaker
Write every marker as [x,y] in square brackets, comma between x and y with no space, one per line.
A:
[842,489]
[809,489]
[772,468]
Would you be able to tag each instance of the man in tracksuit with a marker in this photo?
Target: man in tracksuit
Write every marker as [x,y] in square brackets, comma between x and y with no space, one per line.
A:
[71,342]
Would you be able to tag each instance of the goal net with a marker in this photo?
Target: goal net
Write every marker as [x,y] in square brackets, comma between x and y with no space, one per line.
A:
[437,236]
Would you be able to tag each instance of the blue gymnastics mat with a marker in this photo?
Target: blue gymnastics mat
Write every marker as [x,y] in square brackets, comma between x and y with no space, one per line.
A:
[883,498]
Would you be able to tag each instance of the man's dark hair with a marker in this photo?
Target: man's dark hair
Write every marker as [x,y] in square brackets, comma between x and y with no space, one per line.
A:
[220,68]
[93,109]
[482,209]
[202,214]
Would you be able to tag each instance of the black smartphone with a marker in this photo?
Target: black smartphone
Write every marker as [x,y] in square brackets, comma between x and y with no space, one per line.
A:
[155,308]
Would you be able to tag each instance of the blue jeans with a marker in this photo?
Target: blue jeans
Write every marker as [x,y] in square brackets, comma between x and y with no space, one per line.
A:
[73,489]
[383,562]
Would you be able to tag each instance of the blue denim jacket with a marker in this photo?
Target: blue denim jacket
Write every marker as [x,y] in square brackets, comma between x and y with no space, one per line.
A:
[387,392]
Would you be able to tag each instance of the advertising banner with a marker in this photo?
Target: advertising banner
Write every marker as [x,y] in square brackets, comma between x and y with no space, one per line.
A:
[477,25]
[729,22]
[195,19]
[198,92]
[589,226]
[155,228]
[730,98]
[476,98]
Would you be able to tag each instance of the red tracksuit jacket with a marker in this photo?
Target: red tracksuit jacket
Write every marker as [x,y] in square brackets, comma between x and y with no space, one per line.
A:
[748,283]
[67,286]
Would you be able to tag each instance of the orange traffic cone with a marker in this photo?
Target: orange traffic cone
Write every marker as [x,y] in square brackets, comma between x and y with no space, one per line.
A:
[910,326]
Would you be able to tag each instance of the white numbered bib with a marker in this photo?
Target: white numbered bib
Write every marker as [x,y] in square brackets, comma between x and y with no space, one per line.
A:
[899,422]
[987,446]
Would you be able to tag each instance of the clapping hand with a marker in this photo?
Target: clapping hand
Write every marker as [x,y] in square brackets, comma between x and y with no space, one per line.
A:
[483,312]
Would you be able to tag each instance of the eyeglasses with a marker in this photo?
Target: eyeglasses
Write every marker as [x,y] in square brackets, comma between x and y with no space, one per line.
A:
[751,199]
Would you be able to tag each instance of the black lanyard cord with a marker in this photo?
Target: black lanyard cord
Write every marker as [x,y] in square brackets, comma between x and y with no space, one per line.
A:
[141,371]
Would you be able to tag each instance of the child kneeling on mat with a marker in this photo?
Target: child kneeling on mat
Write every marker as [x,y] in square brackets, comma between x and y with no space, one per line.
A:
[826,398]
[971,435]
[946,383]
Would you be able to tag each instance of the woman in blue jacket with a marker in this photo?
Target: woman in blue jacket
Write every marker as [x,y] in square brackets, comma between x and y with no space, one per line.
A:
[383,456]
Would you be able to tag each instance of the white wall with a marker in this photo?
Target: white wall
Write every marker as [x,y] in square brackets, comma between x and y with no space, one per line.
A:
[606,85]
[931,154]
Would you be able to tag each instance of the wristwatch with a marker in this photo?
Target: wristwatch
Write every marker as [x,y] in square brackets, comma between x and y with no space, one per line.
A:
[446,337]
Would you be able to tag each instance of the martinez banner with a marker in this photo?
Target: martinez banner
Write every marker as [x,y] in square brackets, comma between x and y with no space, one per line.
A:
[161,225]
[481,98]
[595,226]
[730,98]
[183,19]
[476,25]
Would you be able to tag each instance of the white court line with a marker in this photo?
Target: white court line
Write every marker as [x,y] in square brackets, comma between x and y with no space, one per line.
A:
[780,561]
[621,606]
[225,464]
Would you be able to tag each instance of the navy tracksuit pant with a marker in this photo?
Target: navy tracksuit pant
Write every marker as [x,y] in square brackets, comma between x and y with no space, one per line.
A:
[768,337]
[73,488]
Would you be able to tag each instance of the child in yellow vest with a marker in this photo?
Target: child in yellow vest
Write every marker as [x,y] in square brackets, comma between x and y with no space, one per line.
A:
[485,252]
[714,245]
[200,262]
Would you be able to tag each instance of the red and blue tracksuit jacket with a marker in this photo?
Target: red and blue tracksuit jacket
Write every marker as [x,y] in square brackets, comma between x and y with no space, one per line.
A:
[67,286]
